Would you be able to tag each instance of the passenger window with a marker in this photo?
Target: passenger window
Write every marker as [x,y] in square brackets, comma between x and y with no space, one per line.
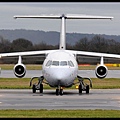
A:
[63,63]
[49,63]
[56,63]
[70,63]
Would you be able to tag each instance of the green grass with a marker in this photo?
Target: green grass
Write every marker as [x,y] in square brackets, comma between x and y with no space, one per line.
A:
[59,113]
[23,83]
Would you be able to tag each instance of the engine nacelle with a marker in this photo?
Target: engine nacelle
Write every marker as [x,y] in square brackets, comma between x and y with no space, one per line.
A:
[101,71]
[19,70]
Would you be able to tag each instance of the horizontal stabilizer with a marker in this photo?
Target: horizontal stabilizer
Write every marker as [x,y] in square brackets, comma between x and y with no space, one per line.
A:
[67,16]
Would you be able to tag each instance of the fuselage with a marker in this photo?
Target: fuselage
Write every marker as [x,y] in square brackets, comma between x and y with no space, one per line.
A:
[60,68]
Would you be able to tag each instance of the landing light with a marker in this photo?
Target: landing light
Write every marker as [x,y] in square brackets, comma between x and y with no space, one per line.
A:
[77,87]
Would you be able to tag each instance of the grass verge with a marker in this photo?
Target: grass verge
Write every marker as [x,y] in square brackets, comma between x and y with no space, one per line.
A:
[24,83]
[59,113]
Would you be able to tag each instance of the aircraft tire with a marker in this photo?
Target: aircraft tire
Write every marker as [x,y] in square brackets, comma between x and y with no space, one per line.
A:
[57,91]
[80,89]
[41,88]
[87,89]
[61,91]
[34,89]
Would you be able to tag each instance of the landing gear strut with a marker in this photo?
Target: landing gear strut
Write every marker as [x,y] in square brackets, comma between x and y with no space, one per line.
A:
[83,86]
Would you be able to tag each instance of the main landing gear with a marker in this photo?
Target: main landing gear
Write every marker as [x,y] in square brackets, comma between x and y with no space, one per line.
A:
[39,85]
[83,86]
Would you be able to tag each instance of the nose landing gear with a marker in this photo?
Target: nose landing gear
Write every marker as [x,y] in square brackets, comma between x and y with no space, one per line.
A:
[59,91]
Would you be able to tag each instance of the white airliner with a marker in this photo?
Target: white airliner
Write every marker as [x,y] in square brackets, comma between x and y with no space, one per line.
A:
[60,68]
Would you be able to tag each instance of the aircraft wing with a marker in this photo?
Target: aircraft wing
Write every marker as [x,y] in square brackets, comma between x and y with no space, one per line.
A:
[49,51]
[94,54]
[26,53]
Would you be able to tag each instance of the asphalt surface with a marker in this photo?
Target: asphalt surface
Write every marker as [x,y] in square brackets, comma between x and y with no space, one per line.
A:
[25,99]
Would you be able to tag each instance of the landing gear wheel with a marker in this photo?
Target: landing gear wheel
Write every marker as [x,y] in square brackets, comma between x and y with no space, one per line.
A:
[34,88]
[41,88]
[57,91]
[87,89]
[80,89]
[61,91]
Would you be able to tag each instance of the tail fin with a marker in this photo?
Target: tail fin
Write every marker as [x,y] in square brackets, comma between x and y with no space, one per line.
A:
[63,18]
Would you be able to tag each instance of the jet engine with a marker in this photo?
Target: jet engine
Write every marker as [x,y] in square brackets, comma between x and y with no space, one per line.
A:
[101,71]
[19,69]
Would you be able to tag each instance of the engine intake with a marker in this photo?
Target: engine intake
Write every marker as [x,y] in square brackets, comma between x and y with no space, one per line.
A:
[101,71]
[19,70]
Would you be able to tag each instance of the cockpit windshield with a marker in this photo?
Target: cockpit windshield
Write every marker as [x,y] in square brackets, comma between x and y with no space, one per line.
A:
[49,63]
[60,63]
[63,63]
[56,63]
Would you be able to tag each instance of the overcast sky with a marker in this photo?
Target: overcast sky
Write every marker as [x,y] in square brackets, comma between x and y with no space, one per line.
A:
[109,27]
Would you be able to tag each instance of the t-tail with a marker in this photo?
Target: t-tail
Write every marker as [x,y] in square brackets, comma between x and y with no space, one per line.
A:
[63,17]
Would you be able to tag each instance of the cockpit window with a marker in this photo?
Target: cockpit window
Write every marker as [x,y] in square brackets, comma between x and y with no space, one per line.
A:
[60,63]
[70,63]
[49,63]
[63,63]
[56,63]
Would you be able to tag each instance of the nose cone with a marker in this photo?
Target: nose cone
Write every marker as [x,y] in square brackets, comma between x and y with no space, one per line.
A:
[61,76]
[60,80]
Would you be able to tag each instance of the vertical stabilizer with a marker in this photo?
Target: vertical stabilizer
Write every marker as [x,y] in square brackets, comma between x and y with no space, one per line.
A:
[62,44]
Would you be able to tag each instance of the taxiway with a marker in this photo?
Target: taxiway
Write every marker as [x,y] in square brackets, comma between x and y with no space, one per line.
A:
[25,99]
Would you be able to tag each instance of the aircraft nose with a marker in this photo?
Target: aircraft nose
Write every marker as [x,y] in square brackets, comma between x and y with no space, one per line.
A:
[60,75]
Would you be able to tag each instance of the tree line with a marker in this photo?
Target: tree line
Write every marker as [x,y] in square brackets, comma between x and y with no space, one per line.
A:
[95,44]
